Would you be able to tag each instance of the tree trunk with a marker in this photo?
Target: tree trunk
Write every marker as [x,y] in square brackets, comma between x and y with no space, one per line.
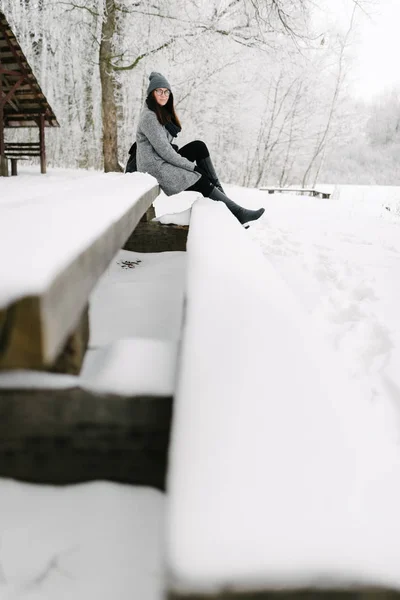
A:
[108,102]
[321,143]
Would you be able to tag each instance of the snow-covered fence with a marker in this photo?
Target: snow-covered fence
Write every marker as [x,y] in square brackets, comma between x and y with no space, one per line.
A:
[270,457]
[65,243]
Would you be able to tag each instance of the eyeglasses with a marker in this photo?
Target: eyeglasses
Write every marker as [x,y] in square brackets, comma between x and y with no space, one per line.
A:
[161,92]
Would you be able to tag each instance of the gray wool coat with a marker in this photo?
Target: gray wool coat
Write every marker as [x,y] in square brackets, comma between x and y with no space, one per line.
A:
[156,156]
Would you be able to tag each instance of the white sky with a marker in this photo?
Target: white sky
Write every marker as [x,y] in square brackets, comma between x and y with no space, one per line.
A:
[379,48]
[377,44]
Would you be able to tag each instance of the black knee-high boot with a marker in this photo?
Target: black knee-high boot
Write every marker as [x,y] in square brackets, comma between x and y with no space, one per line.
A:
[207,166]
[243,215]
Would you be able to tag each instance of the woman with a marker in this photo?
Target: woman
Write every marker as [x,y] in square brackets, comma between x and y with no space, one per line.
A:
[189,168]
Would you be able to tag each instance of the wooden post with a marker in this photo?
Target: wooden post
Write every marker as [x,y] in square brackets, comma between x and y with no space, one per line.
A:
[42,145]
[3,166]
[1,119]
[148,215]
[3,159]
[14,170]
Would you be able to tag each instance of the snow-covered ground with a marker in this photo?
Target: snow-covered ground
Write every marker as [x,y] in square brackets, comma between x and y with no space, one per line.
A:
[341,259]
[97,540]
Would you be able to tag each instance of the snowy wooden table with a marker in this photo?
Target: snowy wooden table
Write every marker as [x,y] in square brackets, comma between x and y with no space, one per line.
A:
[274,482]
[54,249]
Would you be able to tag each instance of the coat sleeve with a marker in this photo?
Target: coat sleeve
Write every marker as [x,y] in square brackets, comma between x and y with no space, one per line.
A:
[157,137]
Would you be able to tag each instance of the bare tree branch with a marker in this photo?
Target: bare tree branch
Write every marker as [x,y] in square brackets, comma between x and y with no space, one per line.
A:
[73,6]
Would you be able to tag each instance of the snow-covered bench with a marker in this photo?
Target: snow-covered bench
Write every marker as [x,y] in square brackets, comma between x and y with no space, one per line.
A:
[272,468]
[53,250]
[302,191]
[20,150]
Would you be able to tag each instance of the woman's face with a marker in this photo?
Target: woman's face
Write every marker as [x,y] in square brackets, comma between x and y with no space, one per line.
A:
[161,95]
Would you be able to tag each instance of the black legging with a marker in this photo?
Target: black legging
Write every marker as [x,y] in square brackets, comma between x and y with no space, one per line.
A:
[195,151]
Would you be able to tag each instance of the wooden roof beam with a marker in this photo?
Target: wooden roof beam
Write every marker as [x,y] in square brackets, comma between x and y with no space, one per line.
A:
[12,104]
[9,95]
[4,71]
[27,114]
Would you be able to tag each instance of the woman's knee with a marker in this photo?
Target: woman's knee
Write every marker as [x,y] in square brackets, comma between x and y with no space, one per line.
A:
[201,149]
[194,151]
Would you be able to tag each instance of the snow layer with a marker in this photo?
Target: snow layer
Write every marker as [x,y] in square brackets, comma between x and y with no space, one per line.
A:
[127,367]
[140,295]
[94,540]
[180,218]
[131,367]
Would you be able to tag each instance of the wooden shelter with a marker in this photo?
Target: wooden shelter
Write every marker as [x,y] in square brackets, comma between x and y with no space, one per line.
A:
[22,102]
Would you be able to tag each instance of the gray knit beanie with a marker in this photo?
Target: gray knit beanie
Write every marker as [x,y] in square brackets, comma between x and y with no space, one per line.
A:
[157,81]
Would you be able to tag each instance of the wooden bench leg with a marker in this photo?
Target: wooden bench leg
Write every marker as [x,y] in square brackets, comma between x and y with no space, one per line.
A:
[19,350]
[148,215]
[71,357]
[14,163]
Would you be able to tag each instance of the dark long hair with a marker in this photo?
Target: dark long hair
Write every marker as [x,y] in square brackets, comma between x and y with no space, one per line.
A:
[165,114]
